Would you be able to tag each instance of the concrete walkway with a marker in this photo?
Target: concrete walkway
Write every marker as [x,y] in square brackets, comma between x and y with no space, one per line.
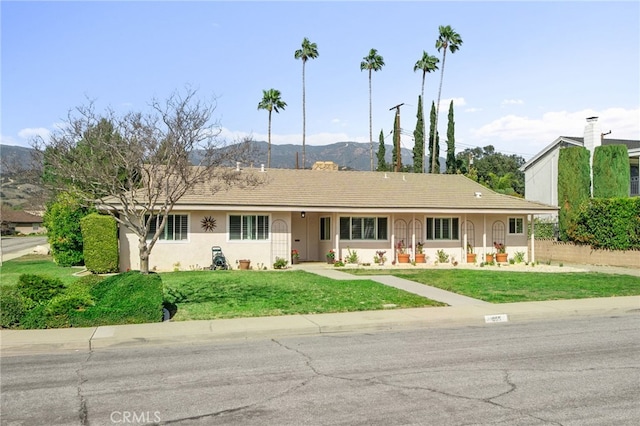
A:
[433,293]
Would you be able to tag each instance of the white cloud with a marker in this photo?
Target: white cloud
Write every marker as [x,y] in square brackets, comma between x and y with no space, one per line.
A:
[473,110]
[538,132]
[512,102]
[457,102]
[30,133]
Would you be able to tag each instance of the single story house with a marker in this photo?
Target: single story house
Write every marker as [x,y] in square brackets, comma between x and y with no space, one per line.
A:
[315,211]
[20,222]
[541,171]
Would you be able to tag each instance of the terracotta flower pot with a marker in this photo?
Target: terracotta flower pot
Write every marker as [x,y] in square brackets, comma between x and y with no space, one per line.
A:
[471,258]
[488,258]
[244,264]
[501,257]
[403,257]
[421,258]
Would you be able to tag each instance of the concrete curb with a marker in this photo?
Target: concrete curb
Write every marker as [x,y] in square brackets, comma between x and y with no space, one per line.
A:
[16,342]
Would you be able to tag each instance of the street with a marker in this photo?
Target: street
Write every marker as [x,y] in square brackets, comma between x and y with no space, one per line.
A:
[570,372]
[12,245]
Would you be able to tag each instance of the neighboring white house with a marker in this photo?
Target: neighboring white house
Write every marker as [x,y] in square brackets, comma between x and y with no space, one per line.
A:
[315,211]
[541,172]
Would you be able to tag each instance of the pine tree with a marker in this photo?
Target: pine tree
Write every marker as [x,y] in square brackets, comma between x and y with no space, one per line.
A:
[432,132]
[418,136]
[452,166]
[382,151]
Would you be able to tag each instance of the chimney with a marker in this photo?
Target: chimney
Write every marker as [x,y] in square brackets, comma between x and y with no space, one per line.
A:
[592,139]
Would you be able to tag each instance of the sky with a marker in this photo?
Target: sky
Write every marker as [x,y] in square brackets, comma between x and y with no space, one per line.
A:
[526,73]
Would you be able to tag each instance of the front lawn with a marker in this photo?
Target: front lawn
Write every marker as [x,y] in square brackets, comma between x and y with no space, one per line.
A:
[505,287]
[202,295]
[11,270]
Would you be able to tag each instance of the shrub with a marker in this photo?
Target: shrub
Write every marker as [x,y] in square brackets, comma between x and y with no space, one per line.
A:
[62,220]
[280,263]
[128,298]
[443,257]
[574,185]
[608,223]
[35,318]
[12,307]
[100,243]
[39,288]
[351,257]
[611,177]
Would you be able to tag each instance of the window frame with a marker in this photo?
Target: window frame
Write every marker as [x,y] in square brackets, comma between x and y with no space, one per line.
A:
[453,228]
[170,217]
[516,219]
[260,221]
[362,227]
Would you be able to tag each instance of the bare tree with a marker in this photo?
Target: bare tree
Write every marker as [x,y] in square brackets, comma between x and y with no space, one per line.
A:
[137,166]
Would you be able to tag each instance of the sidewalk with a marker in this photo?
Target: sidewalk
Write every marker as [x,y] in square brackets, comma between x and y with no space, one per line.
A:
[463,311]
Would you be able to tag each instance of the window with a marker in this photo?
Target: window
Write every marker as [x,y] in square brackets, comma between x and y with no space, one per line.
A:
[443,228]
[363,228]
[175,229]
[248,227]
[325,228]
[516,225]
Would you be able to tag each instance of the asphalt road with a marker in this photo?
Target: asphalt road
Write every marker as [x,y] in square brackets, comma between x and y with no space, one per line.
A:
[15,244]
[572,372]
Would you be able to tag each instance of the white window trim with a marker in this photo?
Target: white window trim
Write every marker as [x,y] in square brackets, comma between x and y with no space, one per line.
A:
[245,241]
[185,241]
[509,225]
[426,228]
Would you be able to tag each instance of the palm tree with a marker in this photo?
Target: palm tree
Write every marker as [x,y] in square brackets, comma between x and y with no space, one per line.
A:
[427,64]
[271,102]
[372,62]
[451,40]
[308,51]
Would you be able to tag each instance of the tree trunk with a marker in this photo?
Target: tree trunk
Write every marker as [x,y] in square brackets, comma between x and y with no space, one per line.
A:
[144,256]
[435,127]
[304,118]
[370,122]
[269,149]
[424,127]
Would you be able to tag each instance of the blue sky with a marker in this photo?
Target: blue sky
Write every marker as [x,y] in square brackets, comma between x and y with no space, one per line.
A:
[526,73]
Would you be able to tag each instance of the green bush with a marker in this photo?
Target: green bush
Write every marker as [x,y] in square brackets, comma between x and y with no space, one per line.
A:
[35,318]
[100,243]
[611,175]
[574,185]
[62,220]
[128,298]
[12,307]
[39,288]
[608,223]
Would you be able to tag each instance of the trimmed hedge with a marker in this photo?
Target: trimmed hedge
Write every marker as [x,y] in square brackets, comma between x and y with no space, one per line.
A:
[608,223]
[611,174]
[12,307]
[128,298]
[574,185]
[100,243]
[39,288]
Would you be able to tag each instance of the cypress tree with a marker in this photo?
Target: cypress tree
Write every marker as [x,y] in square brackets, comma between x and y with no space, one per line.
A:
[611,174]
[418,137]
[574,185]
[396,155]
[382,151]
[437,143]
[452,166]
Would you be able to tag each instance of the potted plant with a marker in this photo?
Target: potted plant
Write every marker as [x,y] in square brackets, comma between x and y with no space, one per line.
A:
[331,256]
[380,258]
[501,252]
[420,256]
[244,264]
[295,257]
[471,256]
[403,256]
[488,258]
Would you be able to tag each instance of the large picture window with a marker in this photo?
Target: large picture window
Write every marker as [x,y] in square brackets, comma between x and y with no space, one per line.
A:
[443,228]
[363,228]
[176,228]
[248,227]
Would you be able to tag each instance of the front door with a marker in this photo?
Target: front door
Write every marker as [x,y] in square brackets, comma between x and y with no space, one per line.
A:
[299,234]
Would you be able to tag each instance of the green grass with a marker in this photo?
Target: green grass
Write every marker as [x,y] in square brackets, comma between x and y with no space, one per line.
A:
[232,294]
[11,270]
[506,287]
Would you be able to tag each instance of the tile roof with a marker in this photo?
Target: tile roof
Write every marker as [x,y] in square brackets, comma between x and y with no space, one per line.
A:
[322,190]
[18,216]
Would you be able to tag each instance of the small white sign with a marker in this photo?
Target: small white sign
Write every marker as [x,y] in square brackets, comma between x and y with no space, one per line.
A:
[496,318]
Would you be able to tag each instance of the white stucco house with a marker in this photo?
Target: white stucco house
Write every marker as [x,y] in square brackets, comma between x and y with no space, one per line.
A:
[541,171]
[315,211]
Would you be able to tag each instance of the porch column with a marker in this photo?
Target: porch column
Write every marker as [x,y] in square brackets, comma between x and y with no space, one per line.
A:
[413,236]
[533,240]
[484,235]
[336,236]
[464,238]
[393,236]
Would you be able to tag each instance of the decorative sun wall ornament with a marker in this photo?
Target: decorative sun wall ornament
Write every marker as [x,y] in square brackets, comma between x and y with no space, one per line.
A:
[208,223]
